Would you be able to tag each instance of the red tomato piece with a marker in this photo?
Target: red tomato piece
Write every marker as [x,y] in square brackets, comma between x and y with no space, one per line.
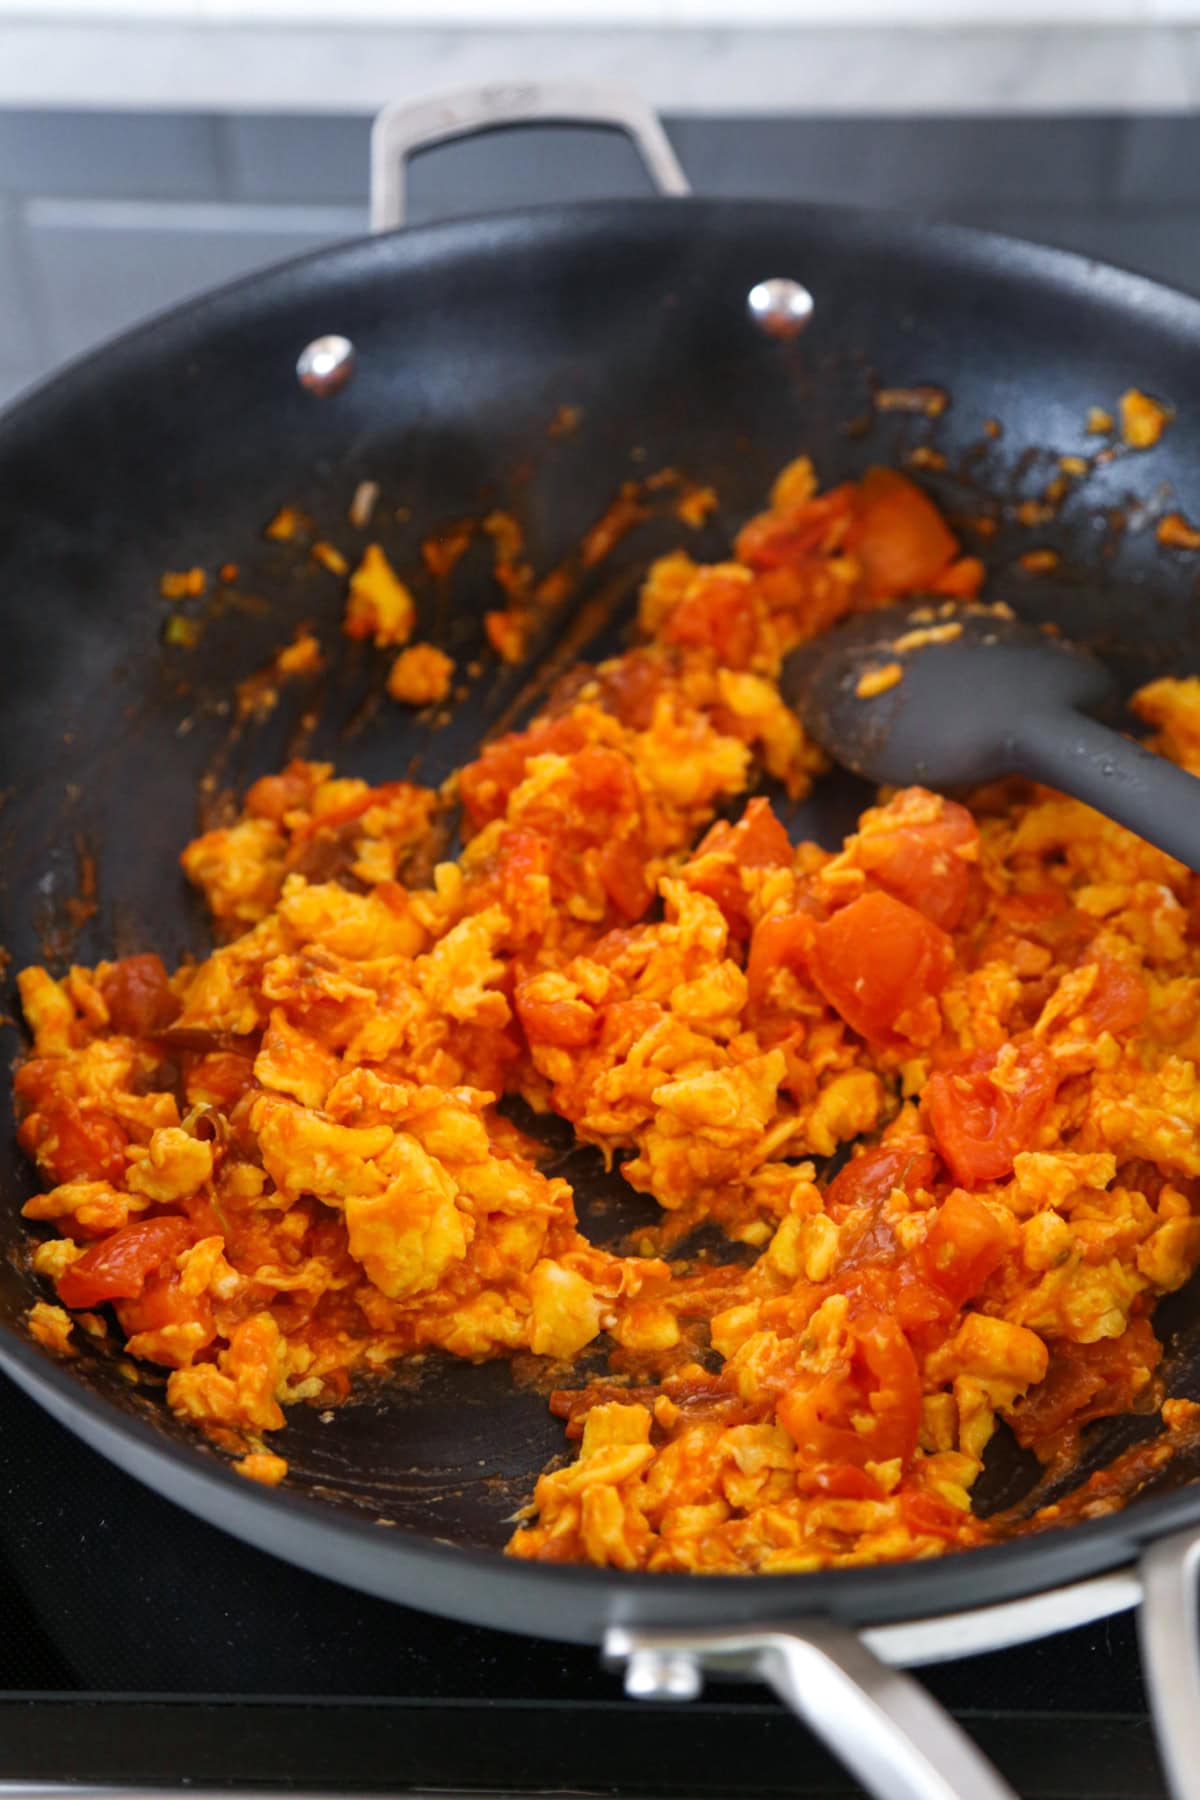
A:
[757,841]
[898,535]
[1118,1000]
[879,963]
[846,1482]
[137,993]
[965,1245]
[785,540]
[567,1023]
[921,863]
[780,942]
[877,1385]
[73,1145]
[932,1516]
[718,614]
[867,1180]
[980,1124]
[118,1266]
[1085,1382]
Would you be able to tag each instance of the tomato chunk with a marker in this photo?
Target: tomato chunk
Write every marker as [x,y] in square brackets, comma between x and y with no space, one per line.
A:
[1085,1382]
[780,942]
[117,1268]
[73,1145]
[966,1243]
[982,1114]
[898,535]
[867,1180]
[921,849]
[717,613]
[868,1408]
[1118,1000]
[880,964]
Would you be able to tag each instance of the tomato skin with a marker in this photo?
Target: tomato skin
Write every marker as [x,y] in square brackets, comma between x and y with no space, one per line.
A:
[879,963]
[137,993]
[898,535]
[73,1145]
[965,1244]
[117,1268]
[978,1126]
[1085,1382]
[921,863]
[879,1378]
[867,1180]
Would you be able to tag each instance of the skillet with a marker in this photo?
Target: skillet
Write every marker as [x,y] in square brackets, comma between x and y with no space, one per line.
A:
[171,448]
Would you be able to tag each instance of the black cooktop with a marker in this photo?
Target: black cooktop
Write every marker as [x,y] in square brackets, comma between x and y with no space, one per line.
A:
[139,1646]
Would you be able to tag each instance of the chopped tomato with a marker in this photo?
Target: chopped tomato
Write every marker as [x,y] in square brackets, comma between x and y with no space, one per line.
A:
[921,860]
[783,941]
[161,1304]
[844,1481]
[718,614]
[1087,1381]
[568,1023]
[866,1410]
[866,1180]
[781,540]
[757,841]
[117,1267]
[961,580]
[880,963]
[932,1516]
[487,783]
[73,1145]
[966,1243]
[1118,999]
[137,993]
[898,535]
[981,1122]
[622,871]
[273,796]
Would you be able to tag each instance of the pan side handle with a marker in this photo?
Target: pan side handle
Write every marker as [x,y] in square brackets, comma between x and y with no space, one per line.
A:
[400,131]
[880,1723]
[1169,1628]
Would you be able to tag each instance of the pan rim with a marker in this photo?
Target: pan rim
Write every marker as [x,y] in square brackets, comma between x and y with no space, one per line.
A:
[915,1590]
[912,1590]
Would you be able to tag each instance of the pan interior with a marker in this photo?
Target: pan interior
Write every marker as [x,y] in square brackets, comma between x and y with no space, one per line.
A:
[173,450]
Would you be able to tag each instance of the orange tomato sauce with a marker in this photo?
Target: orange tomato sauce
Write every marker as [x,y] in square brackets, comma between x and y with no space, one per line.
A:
[284,1166]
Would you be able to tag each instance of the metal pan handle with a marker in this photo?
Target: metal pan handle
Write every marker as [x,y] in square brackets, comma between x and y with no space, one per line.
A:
[1169,1628]
[881,1724]
[400,131]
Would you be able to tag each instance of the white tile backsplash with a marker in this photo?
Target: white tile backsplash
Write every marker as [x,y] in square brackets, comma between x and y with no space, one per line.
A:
[185,61]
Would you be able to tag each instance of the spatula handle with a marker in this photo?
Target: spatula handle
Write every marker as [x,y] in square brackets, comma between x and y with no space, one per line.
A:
[1119,777]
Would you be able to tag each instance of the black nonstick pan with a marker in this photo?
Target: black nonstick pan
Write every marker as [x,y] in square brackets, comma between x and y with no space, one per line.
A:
[173,446]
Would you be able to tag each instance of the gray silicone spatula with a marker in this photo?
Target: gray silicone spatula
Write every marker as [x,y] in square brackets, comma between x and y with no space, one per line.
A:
[981,695]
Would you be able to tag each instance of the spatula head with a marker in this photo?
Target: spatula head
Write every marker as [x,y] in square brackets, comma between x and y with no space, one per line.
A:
[936,694]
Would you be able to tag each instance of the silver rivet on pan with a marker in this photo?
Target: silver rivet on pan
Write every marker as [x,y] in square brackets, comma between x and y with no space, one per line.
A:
[662,1675]
[325,365]
[780,307]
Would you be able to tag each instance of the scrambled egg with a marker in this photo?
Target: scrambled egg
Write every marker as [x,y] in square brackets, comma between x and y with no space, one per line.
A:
[286,1163]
